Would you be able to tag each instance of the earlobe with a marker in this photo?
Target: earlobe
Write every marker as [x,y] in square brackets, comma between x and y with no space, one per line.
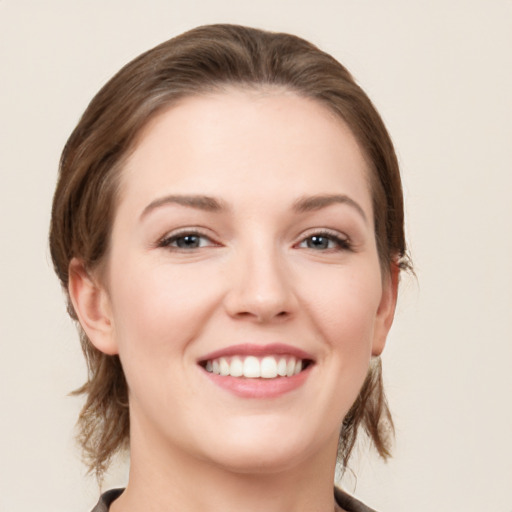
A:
[386,311]
[92,306]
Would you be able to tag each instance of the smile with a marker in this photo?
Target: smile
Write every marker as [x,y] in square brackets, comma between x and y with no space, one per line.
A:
[258,371]
[252,367]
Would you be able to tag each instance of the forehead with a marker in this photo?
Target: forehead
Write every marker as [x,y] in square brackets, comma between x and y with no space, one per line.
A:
[264,140]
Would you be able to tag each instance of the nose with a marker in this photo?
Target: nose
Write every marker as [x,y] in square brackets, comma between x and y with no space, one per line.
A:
[261,288]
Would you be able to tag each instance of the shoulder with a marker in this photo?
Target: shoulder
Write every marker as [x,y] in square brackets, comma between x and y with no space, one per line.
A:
[349,503]
[106,499]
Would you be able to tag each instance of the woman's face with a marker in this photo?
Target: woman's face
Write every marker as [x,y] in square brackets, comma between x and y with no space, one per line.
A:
[244,244]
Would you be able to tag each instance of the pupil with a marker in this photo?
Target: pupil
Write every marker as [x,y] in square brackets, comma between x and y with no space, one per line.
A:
[318,242]
[188,241]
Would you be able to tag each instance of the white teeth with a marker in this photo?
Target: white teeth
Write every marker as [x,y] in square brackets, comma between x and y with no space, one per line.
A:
[269,367]
[290,367]
[237,367]
[252,367]
[281,367]
[224,366]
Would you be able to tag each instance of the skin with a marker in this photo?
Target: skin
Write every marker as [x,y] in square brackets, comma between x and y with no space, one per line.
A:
[256,277]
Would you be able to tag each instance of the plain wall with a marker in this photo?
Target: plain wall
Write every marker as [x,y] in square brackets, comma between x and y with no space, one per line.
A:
[440,74]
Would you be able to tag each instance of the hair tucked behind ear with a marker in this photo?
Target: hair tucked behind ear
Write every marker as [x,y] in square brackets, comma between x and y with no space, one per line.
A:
[203,60]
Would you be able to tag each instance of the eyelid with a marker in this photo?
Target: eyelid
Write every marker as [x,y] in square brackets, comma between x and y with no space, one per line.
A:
[166,240]
[344,242]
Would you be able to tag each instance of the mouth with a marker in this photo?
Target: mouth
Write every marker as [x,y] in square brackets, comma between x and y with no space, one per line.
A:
[258,368]
[272,366]
[258,371]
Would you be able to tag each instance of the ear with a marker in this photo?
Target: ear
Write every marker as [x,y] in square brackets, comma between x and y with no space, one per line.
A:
[92,306]
[386,310]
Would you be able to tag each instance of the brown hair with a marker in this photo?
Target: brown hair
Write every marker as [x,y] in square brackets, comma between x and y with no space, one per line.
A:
[202,60]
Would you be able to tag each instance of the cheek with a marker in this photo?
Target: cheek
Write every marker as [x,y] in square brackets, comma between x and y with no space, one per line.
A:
[157,309]
[157,316]
[344,308]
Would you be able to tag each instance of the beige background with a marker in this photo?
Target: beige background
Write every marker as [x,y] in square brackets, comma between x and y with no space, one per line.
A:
[440,73]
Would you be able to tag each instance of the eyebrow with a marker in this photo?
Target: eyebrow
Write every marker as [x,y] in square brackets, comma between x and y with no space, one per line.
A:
[199,202]
[210,204]
[313,203]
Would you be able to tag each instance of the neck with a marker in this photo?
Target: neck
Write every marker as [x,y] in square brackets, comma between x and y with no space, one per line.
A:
[169,480]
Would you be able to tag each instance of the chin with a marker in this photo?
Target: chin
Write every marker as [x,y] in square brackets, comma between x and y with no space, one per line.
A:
[259,460]
[266,451]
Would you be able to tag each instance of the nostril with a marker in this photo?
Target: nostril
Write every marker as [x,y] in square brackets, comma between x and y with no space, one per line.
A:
[262,316]
[244,314]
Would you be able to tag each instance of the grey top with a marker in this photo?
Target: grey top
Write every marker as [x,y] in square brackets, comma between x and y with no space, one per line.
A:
[344,500]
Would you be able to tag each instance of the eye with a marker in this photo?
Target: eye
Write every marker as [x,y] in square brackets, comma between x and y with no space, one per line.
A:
[325,241]
[186,241]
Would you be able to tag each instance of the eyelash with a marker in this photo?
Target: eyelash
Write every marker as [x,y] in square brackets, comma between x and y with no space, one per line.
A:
[341,243]
[167,241]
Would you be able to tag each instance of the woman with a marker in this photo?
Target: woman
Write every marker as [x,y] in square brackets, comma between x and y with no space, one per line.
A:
[228,225]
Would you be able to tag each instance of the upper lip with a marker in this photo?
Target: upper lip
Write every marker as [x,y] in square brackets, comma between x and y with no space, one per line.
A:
[249,349]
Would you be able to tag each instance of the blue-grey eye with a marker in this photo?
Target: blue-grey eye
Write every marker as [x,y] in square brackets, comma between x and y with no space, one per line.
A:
[319,242]
[324,242]
[188,241]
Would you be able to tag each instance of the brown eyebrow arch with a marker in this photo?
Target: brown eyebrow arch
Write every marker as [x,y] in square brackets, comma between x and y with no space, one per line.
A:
[313,203]
[199,202]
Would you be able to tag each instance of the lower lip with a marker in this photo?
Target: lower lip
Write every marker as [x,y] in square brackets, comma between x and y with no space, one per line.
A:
[259,388]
